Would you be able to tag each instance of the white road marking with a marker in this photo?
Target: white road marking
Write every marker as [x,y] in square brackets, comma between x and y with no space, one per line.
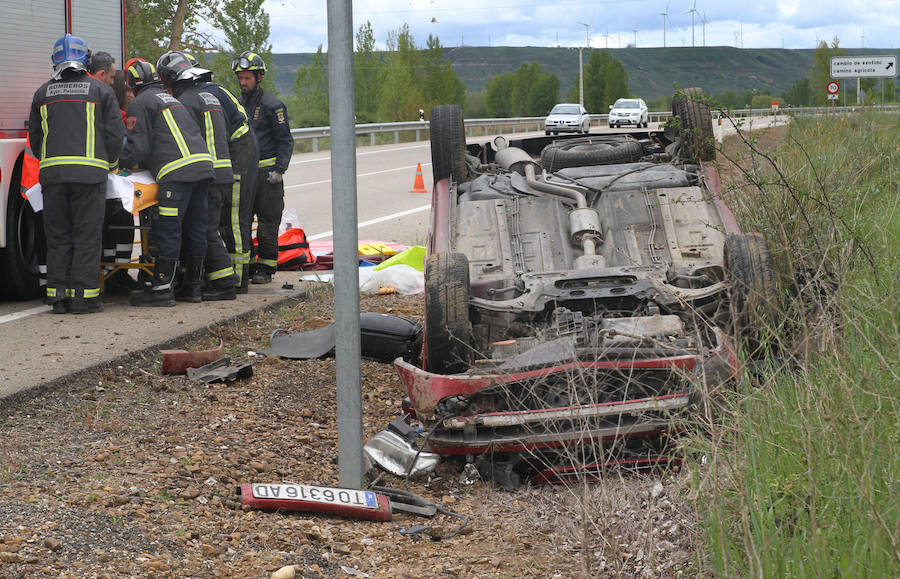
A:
[357,176]
[373,221]
[23,314]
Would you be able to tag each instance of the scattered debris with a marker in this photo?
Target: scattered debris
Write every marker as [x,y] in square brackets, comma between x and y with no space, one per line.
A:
[220,371]
[178,361]
[393,450]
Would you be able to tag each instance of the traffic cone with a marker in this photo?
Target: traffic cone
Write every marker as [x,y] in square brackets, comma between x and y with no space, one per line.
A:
[419,184]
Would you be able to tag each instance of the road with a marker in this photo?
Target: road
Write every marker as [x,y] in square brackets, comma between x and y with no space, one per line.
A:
[40,347]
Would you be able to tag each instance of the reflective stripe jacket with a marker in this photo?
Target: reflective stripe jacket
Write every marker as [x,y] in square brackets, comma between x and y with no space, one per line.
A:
[164,139]
[75,130]
[269,119]
[235,114]
[207,111]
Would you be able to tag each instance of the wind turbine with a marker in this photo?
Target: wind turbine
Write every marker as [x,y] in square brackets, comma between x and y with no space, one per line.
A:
[635,30]
[703,21]
[693,11]
[665,16]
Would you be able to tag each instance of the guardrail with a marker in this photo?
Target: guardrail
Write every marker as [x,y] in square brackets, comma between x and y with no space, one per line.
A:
[484,127]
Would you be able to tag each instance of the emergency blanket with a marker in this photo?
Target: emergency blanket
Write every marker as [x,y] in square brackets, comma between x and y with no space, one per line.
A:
[117,187]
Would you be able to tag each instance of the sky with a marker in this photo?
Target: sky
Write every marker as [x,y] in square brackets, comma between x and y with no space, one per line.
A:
[301,25]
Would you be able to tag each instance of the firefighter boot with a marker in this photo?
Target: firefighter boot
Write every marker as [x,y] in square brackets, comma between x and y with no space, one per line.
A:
[160,292]
[244,272]
[190,290]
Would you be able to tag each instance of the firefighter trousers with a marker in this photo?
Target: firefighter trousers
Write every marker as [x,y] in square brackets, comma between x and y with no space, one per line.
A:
[73,224]
[219,271]
[236,221]
[268,207]
[181,205]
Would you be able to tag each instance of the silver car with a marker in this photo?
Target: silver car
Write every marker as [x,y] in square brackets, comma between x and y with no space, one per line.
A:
[629,112]
[567,118]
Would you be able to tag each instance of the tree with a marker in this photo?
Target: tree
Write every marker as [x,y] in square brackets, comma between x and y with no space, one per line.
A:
[309,105]
[800,94]
[156,26]
[441,84]
[246,27]
[616,82]
[820,73]
[498,102]
[401,91]
[368,71]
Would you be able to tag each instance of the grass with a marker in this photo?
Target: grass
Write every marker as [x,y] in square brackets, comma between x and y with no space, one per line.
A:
[803,476]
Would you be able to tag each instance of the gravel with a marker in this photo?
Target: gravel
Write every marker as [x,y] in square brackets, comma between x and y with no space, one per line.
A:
[124,472]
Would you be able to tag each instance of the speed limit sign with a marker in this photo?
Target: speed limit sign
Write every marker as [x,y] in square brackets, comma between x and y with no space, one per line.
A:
[833,87]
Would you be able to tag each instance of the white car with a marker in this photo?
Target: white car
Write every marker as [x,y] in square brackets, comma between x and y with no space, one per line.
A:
[629,112]
[567,118]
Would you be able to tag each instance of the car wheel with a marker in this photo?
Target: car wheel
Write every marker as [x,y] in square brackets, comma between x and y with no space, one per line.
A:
[18,261]
[448,330]
[696,124]
[753,292]
[557,156]
[546,132]
[448,143]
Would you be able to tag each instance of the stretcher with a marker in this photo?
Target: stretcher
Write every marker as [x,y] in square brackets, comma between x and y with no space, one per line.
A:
[145,197]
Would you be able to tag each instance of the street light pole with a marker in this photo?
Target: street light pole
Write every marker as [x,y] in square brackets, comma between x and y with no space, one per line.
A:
[587,43]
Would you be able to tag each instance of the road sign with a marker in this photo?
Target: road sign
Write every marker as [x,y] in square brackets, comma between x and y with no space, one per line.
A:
[774,106]
[833,88]
[832,97]
[881,66]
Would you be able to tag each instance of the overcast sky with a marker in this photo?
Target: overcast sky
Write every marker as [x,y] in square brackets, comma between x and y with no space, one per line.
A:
[300,25]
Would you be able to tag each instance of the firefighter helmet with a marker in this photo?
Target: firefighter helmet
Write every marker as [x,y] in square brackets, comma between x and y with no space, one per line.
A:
[249,61]
[69,53]
[176,66]
[140,73]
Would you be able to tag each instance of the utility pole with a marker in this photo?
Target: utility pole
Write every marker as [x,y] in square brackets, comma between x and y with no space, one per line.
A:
[587,42]
[635,36]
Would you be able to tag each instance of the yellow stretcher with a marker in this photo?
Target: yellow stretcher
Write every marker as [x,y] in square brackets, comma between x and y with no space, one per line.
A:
[144,198]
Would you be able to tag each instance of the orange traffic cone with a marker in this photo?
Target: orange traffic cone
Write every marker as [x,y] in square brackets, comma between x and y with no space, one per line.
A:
[419,184]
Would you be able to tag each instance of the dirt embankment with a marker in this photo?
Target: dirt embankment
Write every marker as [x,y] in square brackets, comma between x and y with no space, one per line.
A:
[125,472]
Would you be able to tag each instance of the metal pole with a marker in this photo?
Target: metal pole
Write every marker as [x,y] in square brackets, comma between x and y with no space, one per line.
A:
[580,79]
[346,262]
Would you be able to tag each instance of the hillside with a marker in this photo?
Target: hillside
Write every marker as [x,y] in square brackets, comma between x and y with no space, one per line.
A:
[651,71]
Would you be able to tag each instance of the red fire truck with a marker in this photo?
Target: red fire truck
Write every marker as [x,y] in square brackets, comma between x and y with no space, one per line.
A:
[28,29]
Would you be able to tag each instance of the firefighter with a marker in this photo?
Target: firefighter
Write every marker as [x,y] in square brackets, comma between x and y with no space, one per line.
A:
[269,119]
[185,81]
[236,220]
[76,128]
[163,138]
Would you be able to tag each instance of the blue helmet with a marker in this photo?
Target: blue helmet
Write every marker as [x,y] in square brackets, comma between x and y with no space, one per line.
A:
[69,53]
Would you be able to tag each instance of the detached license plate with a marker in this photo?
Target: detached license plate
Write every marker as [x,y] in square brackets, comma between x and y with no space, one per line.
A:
[316,494]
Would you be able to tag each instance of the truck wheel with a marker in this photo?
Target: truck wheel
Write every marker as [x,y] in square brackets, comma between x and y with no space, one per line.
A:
[751,277]
[18,261]
[696,123]
[448,143]
[448,330]
[556,156]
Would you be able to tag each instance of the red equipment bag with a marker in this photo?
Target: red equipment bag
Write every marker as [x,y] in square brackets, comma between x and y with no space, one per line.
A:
[293,250]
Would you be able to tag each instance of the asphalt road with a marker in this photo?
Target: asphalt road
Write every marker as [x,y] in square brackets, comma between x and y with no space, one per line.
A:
[40,347]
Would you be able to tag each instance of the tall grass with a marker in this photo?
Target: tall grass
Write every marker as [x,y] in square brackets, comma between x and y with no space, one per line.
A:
[802,476]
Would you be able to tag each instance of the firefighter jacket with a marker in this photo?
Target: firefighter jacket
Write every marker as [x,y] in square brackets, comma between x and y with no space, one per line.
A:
[75,130]
[164,139]
[235,114]
[207,111]
[269,120]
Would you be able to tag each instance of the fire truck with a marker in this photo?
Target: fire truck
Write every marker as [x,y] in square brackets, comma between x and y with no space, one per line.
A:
[28,29]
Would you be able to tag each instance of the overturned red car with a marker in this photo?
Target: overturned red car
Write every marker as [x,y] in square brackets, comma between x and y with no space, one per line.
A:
[580,292]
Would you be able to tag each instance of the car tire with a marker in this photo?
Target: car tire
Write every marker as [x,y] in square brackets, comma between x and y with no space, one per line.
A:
[448,143]
[18,260]
[448,330]
[752,289]
[557,156]
[547,133]
[696,124]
